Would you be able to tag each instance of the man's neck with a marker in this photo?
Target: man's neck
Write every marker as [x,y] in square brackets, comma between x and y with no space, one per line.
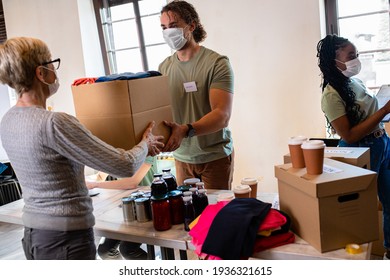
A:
[188,52]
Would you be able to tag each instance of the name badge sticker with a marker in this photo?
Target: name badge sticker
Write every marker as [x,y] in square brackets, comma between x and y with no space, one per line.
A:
[190,87]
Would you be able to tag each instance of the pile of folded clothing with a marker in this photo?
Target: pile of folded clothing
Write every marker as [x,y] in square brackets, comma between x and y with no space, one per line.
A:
[116,77]
[238,229]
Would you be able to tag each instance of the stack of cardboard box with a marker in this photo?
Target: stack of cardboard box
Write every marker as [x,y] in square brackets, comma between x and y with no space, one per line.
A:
[334,208]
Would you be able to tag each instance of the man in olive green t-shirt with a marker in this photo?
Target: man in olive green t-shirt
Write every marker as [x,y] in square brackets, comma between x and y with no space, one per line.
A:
[201,87]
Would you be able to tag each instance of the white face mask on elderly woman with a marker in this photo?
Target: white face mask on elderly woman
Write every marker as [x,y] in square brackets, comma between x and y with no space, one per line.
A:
[353,67]
[53,87]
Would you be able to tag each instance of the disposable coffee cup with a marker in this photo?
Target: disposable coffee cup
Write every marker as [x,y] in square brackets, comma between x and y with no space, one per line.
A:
[251,182]
[313,153]
[226,196]
[242,191]
[296,153]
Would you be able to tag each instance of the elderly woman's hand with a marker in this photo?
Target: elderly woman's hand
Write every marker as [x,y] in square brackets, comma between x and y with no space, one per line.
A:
[154,142]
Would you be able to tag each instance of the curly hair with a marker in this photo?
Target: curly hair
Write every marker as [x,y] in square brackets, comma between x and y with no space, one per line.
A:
[188,13]
[19,58]
[326,53]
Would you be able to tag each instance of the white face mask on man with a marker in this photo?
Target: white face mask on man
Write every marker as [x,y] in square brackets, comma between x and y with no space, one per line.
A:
[53,87]
[353,67]
[174,37]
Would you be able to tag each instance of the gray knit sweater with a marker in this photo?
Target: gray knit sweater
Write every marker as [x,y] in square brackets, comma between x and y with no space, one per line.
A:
[48,151]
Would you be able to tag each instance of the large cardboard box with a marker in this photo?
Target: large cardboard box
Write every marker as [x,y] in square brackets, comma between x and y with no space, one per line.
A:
[118,112]
[330,210]
[356,156]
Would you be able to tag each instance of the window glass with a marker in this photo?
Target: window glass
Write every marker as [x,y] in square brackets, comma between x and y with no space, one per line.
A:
[354,7]
[152,30]
[367,32]
[121,12]
[125,34]
[148,7]
[128,61]
[371,35]
[122,38]
[156,55]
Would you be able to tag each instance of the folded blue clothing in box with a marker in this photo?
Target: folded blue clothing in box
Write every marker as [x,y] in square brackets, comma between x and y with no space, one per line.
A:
[3,167]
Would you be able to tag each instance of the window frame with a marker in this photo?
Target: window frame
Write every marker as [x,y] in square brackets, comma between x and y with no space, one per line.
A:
[332,25]
[109,54]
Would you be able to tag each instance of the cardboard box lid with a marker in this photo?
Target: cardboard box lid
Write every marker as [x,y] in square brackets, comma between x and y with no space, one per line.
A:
[349,179]
[345,152]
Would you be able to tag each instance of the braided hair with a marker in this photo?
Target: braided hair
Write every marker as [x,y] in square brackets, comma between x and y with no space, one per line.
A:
[326,53]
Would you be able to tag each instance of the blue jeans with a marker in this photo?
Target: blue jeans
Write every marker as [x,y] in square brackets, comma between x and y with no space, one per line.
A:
[380,163]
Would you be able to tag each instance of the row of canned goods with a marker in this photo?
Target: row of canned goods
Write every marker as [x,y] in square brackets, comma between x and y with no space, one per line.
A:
[165,208]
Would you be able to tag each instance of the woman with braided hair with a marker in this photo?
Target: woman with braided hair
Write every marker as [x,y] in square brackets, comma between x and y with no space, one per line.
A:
[352,112]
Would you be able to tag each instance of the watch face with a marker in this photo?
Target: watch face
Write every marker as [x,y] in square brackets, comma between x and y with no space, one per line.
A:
[191,132]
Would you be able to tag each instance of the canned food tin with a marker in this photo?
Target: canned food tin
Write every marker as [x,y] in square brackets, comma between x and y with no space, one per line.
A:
[128,207]
[142,209]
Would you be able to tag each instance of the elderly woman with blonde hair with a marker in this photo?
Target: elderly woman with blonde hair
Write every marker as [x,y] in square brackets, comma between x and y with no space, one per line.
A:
[48,151]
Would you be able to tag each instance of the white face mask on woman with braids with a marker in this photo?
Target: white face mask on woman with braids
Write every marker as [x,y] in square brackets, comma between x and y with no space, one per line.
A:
[353,67]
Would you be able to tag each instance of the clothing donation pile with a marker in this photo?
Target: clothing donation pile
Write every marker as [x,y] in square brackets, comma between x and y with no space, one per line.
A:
[115,77]
[238,229]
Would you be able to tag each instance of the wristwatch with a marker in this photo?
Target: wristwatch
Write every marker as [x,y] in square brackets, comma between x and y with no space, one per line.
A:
[191,130]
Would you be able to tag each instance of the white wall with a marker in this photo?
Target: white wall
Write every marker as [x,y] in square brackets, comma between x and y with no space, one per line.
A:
[272,48]
[69,29]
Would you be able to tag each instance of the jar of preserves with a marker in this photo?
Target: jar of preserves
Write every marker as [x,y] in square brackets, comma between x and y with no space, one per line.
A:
[159,187]
[169,179]
[177,207]
[203,200]
[161,212]
[189,212]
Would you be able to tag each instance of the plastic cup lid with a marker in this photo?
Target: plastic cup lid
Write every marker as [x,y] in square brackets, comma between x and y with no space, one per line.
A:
[313,144]
[187,198]
[225,196]
[242,189]
[248,181]
[191,181]
[187,193]
[296,140]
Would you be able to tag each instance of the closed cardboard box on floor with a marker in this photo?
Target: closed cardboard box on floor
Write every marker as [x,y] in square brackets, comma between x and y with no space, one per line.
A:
[118,112]
[330,210]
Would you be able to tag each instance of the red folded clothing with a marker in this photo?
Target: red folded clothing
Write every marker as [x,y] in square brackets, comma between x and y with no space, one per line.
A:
[264,243]
[83,81]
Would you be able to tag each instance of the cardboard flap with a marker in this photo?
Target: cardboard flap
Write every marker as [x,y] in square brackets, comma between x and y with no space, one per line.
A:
[101,99]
